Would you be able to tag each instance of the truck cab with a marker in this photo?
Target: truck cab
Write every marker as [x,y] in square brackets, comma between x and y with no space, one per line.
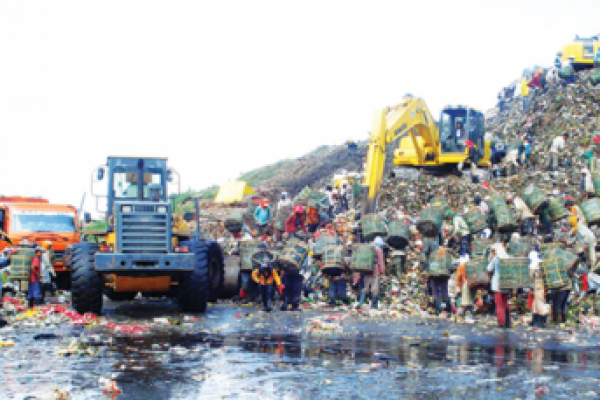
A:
[37,220]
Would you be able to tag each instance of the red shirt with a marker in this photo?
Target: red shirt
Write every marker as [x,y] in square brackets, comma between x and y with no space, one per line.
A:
[291,224]
[35,270]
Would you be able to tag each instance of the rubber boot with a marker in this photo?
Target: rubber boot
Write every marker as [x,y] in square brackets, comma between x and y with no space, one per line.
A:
[375,302]
[534,320]
[437,306]
[542,321]
[242,294]
[508,324]
[361,300]
[284,306]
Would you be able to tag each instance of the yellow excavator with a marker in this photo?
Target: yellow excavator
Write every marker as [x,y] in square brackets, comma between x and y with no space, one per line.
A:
[422,142]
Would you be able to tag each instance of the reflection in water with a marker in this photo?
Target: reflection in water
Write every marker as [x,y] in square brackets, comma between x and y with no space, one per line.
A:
[180,364]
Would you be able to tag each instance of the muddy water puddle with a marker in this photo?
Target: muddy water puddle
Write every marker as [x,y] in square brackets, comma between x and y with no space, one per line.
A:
[257,356]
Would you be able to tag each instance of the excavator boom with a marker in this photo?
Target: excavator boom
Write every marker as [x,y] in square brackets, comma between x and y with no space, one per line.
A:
[409,118]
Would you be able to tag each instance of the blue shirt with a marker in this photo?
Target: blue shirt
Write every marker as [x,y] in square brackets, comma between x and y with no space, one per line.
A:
[263,216]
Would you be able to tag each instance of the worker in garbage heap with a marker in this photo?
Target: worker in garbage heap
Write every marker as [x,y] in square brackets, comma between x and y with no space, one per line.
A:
[458,138]
[284,201]
[312,218]
[263,217]
[575,210]
[460,232]
[461,285]
[557,146]
[587,185]
[481,205]
[371,279]
[473,158]
[583,236]
[266,276]
[34,293]
[337,284]
[522,213]
[47,270]
[292,289]
[296,222]
[500,296]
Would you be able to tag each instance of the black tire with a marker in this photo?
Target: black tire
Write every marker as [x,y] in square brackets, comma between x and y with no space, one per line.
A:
[194,287]
[118,296]
[216,271]
[86,284]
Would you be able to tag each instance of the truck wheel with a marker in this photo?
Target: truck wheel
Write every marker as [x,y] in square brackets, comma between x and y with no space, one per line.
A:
[118,296]
[216,271]
[194,287]
[86,284]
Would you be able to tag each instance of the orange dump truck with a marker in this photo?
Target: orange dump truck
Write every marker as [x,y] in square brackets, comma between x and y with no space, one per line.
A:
[37,220]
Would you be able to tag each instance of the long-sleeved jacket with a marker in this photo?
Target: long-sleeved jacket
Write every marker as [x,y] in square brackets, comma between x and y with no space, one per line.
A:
[266,280]
[293,224]
[263,216]
[459,226]
[535,83]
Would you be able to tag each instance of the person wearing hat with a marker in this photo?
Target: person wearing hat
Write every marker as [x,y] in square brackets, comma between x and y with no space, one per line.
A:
[583,235]
[266,276]
[460,231]
[539,308]
[523,214]
[263,216]
[575,210]
[371,279]
[47,270]
[34,293]
[557,146]
[284,201]
[296,222]
[500,296]
[461,285]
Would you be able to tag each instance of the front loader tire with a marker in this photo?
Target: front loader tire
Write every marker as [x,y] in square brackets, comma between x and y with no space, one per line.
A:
[118,296]
[86,284]
[194,287]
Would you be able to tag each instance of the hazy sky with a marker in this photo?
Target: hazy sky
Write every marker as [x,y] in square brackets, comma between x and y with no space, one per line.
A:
[222,87]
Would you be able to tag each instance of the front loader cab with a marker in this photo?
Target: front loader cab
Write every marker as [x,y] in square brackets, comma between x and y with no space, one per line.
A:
[134,180]
[459,124]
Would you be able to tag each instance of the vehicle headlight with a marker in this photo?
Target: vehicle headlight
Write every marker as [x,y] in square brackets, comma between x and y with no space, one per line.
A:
[126,209]
[161,209]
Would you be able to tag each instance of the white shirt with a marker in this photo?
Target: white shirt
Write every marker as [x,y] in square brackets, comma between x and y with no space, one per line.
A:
[558,143]
[534,261]
[483,208]
[47,268]
[522,210]
[283,203]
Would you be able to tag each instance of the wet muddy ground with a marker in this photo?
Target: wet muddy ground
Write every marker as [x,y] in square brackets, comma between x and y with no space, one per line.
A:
[239,352]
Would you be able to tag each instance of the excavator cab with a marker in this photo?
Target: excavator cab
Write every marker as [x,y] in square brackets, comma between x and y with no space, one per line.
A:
[459,124]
